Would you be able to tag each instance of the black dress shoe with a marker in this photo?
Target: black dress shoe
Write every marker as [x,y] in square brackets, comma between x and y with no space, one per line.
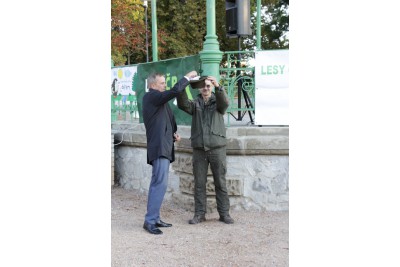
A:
[163,224]
[152,229]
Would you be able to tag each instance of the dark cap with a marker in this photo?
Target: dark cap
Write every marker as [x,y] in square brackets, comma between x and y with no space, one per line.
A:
[198,83]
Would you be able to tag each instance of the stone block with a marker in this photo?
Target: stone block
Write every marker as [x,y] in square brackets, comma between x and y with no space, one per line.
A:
[183,163]
[186,202]
[234,185]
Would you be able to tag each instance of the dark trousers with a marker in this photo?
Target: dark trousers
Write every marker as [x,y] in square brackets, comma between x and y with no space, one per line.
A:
[216,158]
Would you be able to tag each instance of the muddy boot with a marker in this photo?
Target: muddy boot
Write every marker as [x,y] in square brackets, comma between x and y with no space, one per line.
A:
[226,219]
[197,219]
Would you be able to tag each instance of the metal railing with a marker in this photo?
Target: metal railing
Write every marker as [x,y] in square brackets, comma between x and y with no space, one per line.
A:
[124,108]
[237,76]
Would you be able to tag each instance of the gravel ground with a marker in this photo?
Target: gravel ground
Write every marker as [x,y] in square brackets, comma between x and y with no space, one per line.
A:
[255,239]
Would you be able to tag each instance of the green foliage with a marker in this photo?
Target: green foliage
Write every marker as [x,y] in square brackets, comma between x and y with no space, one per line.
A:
[184,24]
[127,30]
[274,25]
[118,58]
[181,26]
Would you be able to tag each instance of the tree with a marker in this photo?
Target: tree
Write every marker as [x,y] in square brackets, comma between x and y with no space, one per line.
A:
[184,25]
[184,21]
[181,28]
[274,25]
[127,30]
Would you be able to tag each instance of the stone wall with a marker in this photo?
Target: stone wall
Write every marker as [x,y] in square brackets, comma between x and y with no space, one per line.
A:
[257,167]
[112,160]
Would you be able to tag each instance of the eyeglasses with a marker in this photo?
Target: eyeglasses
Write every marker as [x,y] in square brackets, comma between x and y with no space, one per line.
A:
[208,86]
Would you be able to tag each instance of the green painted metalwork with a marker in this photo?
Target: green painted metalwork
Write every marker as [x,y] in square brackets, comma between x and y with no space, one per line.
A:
[236,71]
[124,108]
[154,30]
[258,24]
[210,56]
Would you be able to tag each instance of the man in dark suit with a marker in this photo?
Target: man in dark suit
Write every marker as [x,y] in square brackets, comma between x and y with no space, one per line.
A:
[161,134]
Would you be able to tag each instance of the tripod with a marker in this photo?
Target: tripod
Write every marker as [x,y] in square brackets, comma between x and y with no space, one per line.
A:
[242,91]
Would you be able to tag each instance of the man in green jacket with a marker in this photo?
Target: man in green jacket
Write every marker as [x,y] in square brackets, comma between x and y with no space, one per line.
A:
[208,140]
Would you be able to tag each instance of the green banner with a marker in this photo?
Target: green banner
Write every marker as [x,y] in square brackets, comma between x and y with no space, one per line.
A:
[173,69]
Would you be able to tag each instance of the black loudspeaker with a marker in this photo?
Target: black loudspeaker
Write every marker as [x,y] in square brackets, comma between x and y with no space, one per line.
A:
[238,17]
[231,17]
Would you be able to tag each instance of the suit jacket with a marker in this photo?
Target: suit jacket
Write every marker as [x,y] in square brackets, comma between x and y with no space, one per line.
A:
[160,121]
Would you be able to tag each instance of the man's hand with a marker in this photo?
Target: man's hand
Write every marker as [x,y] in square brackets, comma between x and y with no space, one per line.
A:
[177,137]
[191,74]
[213,81]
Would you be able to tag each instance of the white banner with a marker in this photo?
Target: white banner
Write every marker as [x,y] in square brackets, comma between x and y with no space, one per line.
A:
[272,87]
[121,80]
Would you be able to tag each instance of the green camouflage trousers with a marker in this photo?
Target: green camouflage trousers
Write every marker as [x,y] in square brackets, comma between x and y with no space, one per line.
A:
[216,158]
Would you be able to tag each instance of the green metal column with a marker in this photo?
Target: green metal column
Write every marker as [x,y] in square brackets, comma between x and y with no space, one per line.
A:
[154,30]
[210,56]
[258,24]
